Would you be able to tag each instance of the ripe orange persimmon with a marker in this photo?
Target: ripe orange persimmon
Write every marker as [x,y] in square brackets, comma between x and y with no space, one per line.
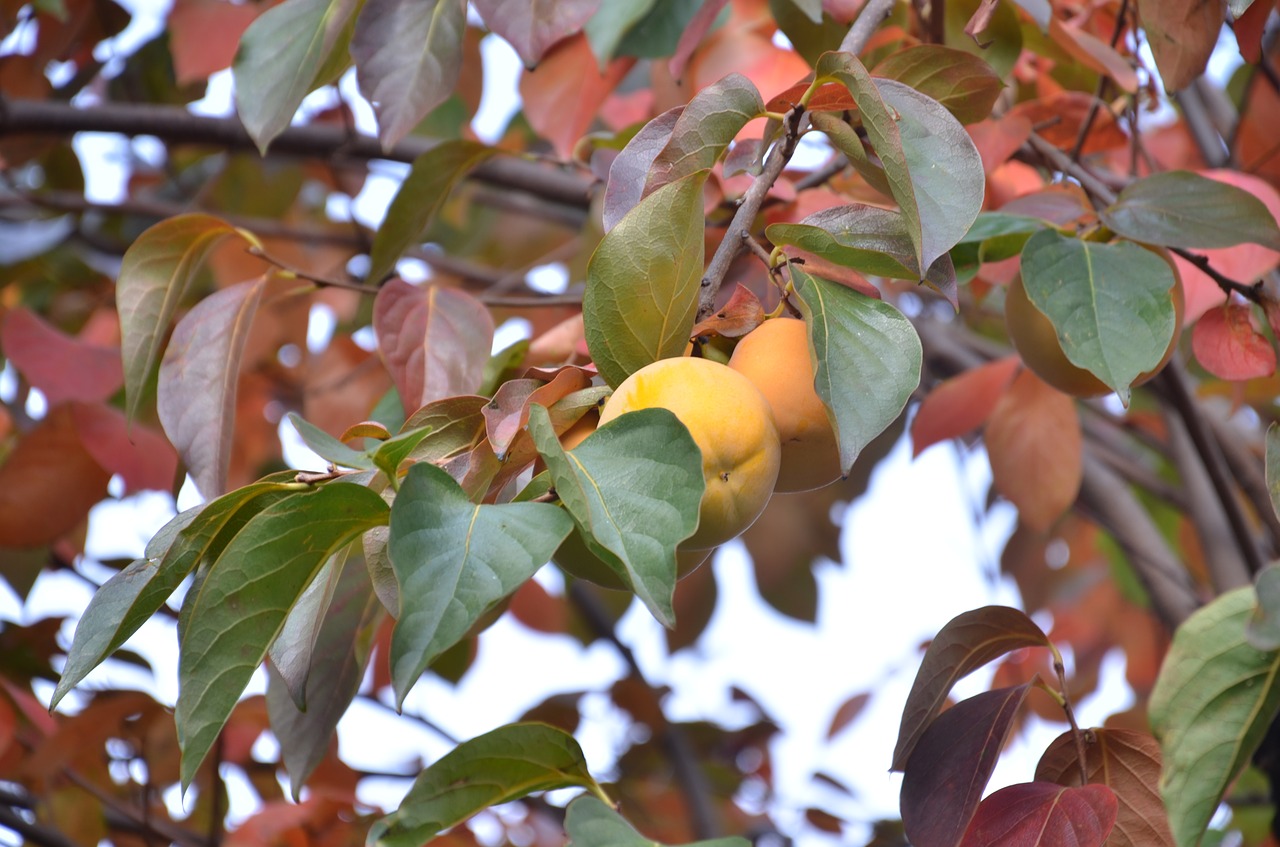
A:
[731,423]
[1036,341]
[775,357]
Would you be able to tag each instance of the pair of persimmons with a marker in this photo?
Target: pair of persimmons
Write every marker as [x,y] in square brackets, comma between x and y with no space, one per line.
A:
[762,428]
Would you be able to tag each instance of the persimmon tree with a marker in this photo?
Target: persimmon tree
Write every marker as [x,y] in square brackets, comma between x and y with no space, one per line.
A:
[1037,226]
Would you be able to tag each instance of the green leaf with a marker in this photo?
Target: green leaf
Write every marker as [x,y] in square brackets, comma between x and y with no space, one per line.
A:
[327,447]
[1263,630]
[1183,209]
[129,599]
[607,27]
[810,32]
[291,653]
[1212,703]
[845,138]
[500,766]
[591,823]
[1273,465]
[999,44]
[1109,303]
[344,640]
[868,239]
[643,281]
[155,274]
[392,452]
[408,57]
[419,198]
[704,129]
[246,596]
[280,57]
[658,33]
[963,83]
[866,355]
[454,561]
[634,487]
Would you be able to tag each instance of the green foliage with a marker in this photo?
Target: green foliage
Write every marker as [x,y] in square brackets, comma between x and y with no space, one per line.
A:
[1183,209]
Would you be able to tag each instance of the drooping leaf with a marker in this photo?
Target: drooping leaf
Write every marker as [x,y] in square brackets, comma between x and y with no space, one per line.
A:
[961,404]
[155,274]
[1128,763]
[327,447]
[630,169]
[246,596]
[408,56]
[500,766]
[129,599]
[1229,346]
[868,239]
[1184,209]
[867,359]
[562,99]
[633,487]
[1042,814]
[391,453]
[591,823]
[1035,445]
[61,367]
[454,560]
[743,313]
[419,198]
[704,129]
[989,29]
[1212,703]
[291,653]
[344,639]
[966,643]
[196,396]
[282,55]
[1182,35]
[435,341]
[1109,303]
[643,281]
[949,767]
[963,83]
[1263,631]
[531,28]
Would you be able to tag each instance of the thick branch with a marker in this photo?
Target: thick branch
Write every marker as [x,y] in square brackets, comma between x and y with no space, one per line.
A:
[869,19]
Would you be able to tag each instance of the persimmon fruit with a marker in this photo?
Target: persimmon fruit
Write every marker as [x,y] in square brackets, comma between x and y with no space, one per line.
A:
[775,357]
[732,425]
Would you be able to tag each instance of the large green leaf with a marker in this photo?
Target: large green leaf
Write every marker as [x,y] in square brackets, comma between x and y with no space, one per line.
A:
[1109,303]
[633,487]
[408,57]
[454,561]
[866,356]
[343,640]
[155,274]
[704,129]
[607,27]
[591,823]
[643,281]
[281,55]
[865,238]
[419,197]
[246,596]
[500,766]
[1183,209]
[963,83]
[1212,703]
[129,599]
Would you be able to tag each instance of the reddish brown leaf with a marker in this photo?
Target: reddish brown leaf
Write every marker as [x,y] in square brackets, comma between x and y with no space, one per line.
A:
[848,711]
[508,413]
[694,604]
[48,482]
[435,341]
[562,97]
[204,35]
[1042,814]
[999,138]
[342,385]
[1248,29]
[365,429]
[538,610]
[961,404]
[949,768]
[143,458]
[60,366]
[1229,346]
[559,344]
[1093,53]
[980,21]
[831,97]
[693,34]
[1128,763]
[533,27]
[966,643]
[1182,35]
[1034,443]
[739,316]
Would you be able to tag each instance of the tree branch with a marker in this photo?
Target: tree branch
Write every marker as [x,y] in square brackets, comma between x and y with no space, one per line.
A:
[869,20]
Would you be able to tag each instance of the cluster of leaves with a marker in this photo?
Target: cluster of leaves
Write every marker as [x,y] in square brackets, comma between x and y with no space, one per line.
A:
[447,488]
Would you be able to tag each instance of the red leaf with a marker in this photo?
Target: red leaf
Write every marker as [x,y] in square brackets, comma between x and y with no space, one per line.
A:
[1042,814]
[950,766]
[1034,443]
[966,643]
[60,366]
[507,414]
[562,97]
[435,341]
[1182,35]
[693,34]
[1229,346]
[848,711]
[533,26]
[961,404]
[204,35]
[736,318]
[142,457]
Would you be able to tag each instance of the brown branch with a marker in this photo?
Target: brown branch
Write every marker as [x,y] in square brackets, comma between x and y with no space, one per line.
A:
[1243,464]
[35,833]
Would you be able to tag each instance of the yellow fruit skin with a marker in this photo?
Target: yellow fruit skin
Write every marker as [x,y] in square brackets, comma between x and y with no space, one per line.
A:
[731,423]
[1036,341]
[775,357]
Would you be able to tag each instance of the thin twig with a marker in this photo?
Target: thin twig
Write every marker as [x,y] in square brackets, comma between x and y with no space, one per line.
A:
[869,20]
